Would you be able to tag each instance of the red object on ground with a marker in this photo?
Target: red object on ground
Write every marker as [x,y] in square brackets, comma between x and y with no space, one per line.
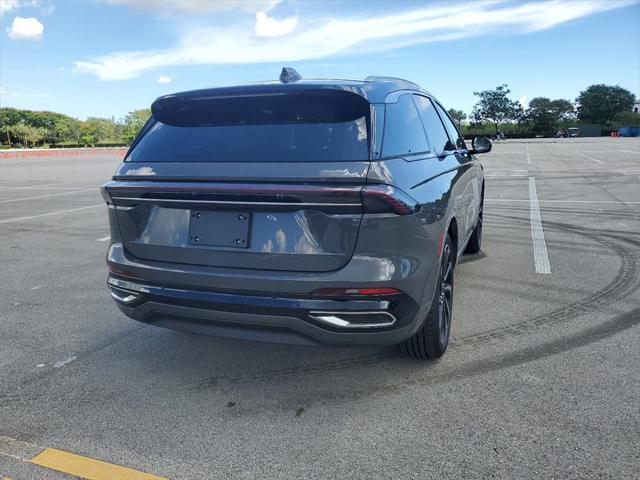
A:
[63,152]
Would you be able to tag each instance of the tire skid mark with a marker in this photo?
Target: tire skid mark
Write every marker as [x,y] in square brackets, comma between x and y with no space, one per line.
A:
[626,281]
[622,285]
[292,372]
[476,368]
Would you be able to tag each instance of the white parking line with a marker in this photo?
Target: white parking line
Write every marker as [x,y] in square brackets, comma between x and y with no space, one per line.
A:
[30,217]
[103,239]
[560,201]
[47,195]
[629,151]
[540,254]
[515,173]
[590,158]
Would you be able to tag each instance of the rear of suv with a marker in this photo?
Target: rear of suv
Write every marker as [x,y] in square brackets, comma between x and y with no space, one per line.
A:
[297,211]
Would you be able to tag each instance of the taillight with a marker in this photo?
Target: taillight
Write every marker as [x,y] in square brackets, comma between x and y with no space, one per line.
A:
[341,292]
[387,199]
[120,271]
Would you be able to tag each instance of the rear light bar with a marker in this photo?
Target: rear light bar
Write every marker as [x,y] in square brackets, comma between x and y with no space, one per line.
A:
[341,292]
[348,198]
[388,199]
[335,192]
[331,198]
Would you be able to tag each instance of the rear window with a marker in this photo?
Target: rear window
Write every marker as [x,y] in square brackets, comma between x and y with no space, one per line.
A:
[403,132]
[293,126]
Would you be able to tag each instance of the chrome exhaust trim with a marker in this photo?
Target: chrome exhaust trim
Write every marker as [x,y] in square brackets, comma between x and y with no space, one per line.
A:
[341,319]
[123,296]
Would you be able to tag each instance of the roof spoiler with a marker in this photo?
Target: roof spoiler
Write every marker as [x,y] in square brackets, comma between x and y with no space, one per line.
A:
[380,78]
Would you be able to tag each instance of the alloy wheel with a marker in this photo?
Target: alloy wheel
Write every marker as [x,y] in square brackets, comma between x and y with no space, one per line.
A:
[445,303]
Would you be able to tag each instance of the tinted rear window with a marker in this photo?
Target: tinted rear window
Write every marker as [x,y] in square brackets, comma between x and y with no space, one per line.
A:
[403,132]
[326,125]
[433,124]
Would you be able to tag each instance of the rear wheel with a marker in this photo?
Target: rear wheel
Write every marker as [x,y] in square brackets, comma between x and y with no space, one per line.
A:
[475,241]
[430,342]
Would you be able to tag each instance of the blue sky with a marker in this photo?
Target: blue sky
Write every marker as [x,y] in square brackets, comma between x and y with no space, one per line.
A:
[105,58]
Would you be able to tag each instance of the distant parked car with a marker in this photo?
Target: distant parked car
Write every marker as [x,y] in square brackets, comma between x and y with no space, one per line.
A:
[573,132]
[320,211]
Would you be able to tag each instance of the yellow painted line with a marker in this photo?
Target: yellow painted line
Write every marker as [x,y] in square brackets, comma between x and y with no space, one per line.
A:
[87,468]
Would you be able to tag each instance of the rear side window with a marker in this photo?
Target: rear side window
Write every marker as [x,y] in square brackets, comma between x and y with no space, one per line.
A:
[403,132]
[292,126]
[454,134]
[433,125]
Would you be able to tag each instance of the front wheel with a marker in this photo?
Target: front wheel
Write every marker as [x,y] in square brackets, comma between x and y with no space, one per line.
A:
[430,342]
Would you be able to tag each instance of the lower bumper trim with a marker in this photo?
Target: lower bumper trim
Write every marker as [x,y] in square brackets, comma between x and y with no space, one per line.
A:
[301,320]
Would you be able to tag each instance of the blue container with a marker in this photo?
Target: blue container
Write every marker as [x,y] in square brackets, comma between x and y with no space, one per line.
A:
[629,131]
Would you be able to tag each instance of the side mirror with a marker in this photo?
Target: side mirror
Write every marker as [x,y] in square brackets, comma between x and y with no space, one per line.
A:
[480,145]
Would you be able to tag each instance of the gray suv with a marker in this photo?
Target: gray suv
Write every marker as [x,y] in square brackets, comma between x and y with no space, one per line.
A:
[298,211]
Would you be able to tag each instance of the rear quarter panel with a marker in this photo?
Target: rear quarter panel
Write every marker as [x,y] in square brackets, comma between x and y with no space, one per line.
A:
[445,187]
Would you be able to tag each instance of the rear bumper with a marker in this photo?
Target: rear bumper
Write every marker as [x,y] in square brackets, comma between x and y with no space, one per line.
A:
[275,318]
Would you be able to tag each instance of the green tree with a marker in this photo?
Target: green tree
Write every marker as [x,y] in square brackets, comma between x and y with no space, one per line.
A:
[98,130]
[66,130]
[545,116]
[8,118]
[133,122]
[626,119]
[5,130]
[27,135]
[601,103]
[495,106]
[55,127]
[18,132]
[458,116]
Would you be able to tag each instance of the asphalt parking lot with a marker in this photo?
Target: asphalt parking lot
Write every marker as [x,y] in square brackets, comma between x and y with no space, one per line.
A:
[541,379]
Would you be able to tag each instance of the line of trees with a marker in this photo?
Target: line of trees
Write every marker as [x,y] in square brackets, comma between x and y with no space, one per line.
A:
[28,128]
[606,105]
[609,106]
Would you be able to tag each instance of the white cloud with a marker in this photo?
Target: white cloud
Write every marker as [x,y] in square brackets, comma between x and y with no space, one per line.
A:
[524,101]
[164,79]
[19,92]
[11,5]
[8,6]
[321,38]
[25,29]
[267,26]
[197,6]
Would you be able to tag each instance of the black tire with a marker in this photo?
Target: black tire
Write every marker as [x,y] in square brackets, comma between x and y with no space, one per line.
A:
[475,242]
[430,342]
